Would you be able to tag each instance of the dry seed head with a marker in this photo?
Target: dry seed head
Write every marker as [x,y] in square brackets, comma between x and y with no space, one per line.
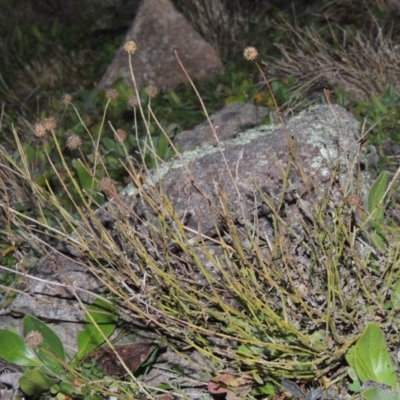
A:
[39,130]
[66,100]
[151,91]
[130,47]
[250,53]
[111,94]
[34,339]
[354,201]
[107,186]
[133,101]
[120,135]
[73,142]
[50,124]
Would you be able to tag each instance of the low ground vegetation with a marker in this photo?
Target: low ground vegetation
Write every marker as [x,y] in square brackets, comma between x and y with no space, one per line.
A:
[335,332]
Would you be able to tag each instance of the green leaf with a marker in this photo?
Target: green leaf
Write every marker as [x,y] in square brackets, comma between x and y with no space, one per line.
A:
[51,343]
[15,350]
[250,349]
[395,296]
[267,389]
[378,104]
[68,388]
[378,239]
[109,143]
[171,128]
[35,32]
[355,386]
[375,393]
[257,378]
[371,358]
[376,208]
[173,98]
[375,197]
[132,140]
[85,179]
[239,97]
[162,146]
[105,316]
[120,151]
[34,382]
[30,152]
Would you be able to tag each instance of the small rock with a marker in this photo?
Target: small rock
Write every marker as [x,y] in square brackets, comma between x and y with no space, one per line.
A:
[230,122]
[158,31]
[390,149]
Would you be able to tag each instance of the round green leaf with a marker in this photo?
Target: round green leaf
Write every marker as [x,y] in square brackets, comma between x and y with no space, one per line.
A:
[15,350]
[50,339]
[51,343]
[375,393]
[371,358]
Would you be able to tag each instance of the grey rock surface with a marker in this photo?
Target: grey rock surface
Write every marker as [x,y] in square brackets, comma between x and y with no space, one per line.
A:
[321,140]
[256,162]
[228,123]
[158,31]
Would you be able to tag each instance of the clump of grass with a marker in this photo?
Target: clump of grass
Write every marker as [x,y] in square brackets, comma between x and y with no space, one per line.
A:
[285,309]
[337,60]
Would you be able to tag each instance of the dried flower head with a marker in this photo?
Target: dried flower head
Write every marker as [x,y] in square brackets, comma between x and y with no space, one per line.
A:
[120,135]
[34,339]
[50,124]
[151,91]
[111,94]
[250,53]
[73,142]
[130,47]
[39,130]
[107,186]
[354,201]
[133,101]
[66,100]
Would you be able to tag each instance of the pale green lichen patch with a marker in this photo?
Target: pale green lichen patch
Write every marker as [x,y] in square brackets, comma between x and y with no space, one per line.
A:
[334,138]
[187,157]
[329,128]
